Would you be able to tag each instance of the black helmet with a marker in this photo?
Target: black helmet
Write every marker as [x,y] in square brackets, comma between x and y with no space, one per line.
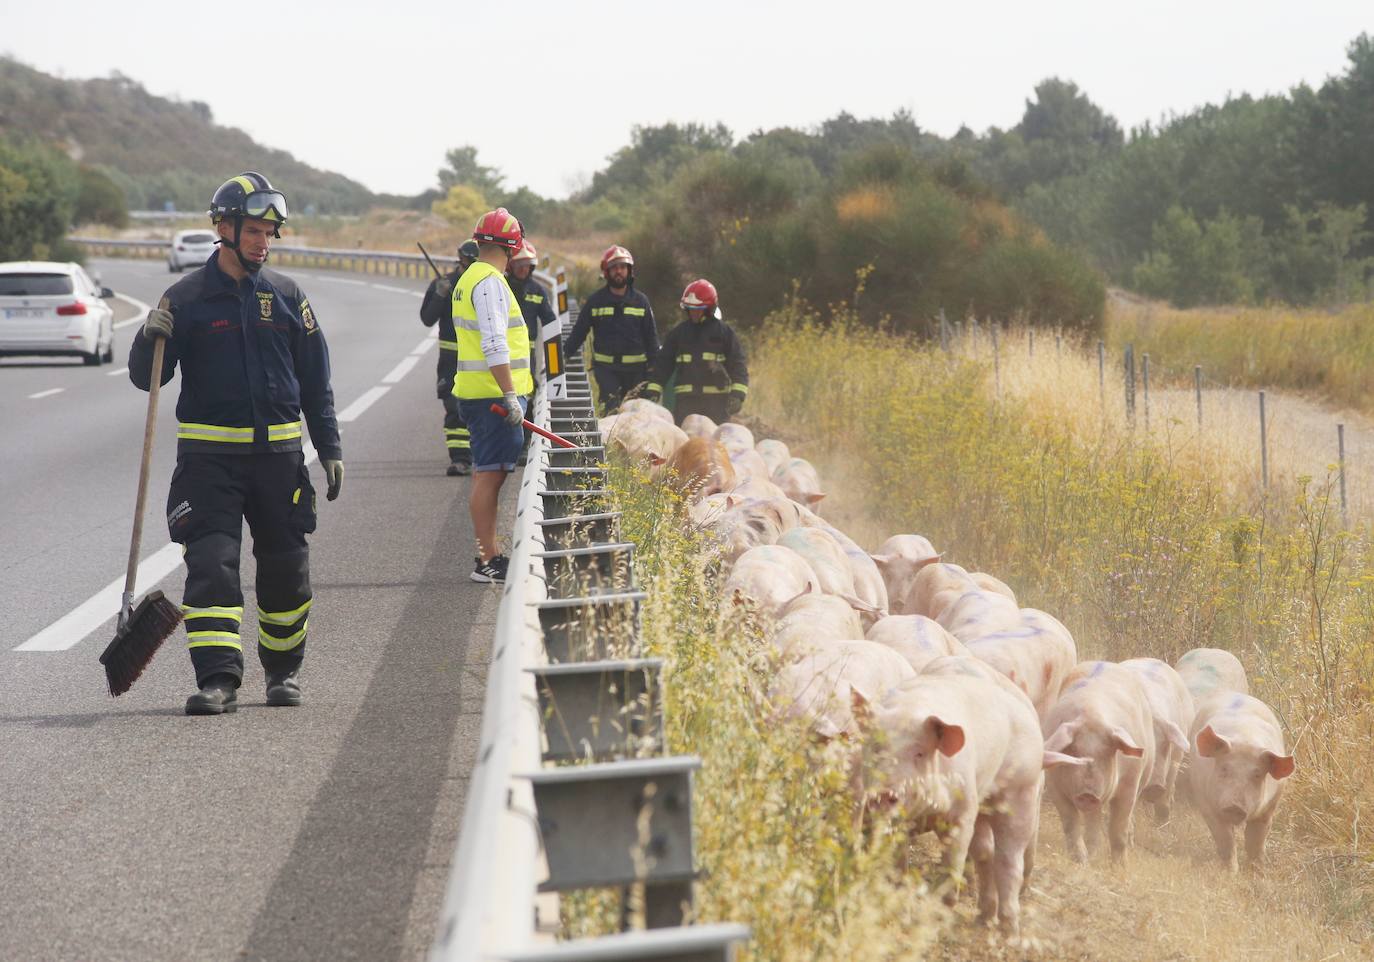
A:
[468,249]
[248,195]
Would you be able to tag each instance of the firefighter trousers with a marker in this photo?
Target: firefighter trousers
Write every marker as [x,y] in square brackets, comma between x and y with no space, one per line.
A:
[456,436]
[714,406]
[613,383]
[210,497]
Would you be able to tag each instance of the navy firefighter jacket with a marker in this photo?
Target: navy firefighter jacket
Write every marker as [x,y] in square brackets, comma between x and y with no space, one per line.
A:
[253,359]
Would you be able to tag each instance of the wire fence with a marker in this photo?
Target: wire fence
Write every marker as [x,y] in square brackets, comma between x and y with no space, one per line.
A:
[1267,439]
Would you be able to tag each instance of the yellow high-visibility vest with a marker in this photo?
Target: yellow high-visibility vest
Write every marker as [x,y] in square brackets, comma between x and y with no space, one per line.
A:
[474,379]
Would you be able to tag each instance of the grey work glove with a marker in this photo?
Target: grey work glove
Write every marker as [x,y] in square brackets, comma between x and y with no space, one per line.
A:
[513,413]
[158,324]
[441,287]
[333,472]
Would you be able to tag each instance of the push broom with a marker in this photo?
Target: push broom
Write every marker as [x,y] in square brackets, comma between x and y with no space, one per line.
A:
[141,630]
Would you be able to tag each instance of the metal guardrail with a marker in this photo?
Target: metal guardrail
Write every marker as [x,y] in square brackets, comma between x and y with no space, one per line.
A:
[383,263]
[572,788]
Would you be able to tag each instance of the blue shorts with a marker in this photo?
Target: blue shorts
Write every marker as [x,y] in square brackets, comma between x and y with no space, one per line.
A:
[495,444]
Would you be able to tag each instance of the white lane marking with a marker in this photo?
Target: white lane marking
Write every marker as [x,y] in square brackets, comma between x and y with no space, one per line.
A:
[356,409]
[48,393]
[98,609]
[345,280]
[393,290]
[137,305]
[401,370]
[122,370]
[426,344]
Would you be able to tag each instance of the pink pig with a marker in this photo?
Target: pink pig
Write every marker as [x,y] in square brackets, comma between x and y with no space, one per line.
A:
[1171,708]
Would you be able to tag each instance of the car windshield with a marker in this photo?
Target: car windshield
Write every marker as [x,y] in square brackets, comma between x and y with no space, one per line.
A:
[198,239]
[20,285]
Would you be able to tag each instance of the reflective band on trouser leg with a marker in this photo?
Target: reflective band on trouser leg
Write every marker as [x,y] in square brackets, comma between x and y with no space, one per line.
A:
[741,388]
[284,601]
[457,438]
[213,605]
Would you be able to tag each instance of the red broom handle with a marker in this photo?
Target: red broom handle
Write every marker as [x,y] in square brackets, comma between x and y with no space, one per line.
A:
[561,442]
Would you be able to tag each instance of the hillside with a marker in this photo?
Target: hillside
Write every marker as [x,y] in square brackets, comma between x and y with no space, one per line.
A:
[156,149]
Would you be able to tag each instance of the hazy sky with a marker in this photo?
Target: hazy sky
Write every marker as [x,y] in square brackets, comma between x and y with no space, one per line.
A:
[546,91]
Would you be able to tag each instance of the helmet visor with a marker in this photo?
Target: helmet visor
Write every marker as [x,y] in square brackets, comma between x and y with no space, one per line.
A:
[266,205]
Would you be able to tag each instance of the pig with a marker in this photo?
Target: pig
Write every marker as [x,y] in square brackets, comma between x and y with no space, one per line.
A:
[799,480]
[935,586]
[752,522]
[1098,747]
[916,638]
[735,437]
[699,426]
[1036,653]
[825,556]
[639,405]
[869,587]
[701,468]
[774,452]
[644,437]
[811,620]
[749,464]
[819,686]
[756,488]
[709,510]
[963,753]
[1236,769]
[769,576]
[1171,708]
[898,560]
[1205,670]
[976,613]
[987,582]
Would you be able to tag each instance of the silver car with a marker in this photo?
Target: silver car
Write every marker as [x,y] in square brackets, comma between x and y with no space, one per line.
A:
[48,307]
[190,248]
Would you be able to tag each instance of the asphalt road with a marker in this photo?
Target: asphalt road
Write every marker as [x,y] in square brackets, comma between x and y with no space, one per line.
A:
[130,831]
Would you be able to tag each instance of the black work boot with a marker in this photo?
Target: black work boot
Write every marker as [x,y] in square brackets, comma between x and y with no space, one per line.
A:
[284,688]
[217,696]
[459,469]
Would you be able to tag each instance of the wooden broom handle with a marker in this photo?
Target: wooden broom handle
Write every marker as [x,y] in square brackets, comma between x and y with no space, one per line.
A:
[149,431]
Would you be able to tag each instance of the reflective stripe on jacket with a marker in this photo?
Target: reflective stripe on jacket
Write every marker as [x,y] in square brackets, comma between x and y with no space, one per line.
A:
[623,330]
[474,378]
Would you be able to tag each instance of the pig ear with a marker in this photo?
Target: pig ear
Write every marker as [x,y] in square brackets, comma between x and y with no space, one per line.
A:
[1209,743]
[922,562]
[825,729]
[814,499]
[1280,766]
[858,604]
[730,501]
[657,460]
[883,559]
[950,737]
[861,707]
[1062,736]
[1052,759]
[1174,734]
[1125,744]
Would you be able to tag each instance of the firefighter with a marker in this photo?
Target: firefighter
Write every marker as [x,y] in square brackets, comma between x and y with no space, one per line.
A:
[493,367]
[253,361]
[708,358]
[437,306]
[536,304]
[621,322]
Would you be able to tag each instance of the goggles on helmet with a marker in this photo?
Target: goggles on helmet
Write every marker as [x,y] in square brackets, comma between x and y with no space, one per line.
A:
[266,205]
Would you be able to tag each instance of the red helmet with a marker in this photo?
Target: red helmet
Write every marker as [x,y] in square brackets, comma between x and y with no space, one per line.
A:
[525,253]
[700,293]
[616,253]
[499,226]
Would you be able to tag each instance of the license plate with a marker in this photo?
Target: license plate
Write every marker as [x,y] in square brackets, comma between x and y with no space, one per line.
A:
[11,312]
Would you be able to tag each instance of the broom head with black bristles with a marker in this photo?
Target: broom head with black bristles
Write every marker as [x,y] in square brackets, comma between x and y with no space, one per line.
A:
[137,640]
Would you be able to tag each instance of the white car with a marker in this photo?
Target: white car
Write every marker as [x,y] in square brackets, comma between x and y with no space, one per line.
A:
[190,248]
[53,308]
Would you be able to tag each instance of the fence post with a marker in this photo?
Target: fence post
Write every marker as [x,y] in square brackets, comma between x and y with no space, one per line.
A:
[944,332]
[1102,373]
[1030,342]
[1058,346]
[1145,383]
[1340,449]
[996,362]
[1129,365]
[1264,445]
[1197,389]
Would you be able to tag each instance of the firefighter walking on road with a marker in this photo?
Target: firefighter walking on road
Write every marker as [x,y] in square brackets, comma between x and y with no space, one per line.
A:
[707,357]
[537,306]
[437,307]
[621,323]
[253,360]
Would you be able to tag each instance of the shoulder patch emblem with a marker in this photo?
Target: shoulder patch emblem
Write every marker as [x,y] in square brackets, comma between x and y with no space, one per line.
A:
[307,317]
[265,305]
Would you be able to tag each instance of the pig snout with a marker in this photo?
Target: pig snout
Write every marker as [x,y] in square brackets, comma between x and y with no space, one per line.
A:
[1233,814]
[1087,801]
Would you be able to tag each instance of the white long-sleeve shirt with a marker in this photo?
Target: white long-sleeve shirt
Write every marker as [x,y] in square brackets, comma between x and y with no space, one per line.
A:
[491,300]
